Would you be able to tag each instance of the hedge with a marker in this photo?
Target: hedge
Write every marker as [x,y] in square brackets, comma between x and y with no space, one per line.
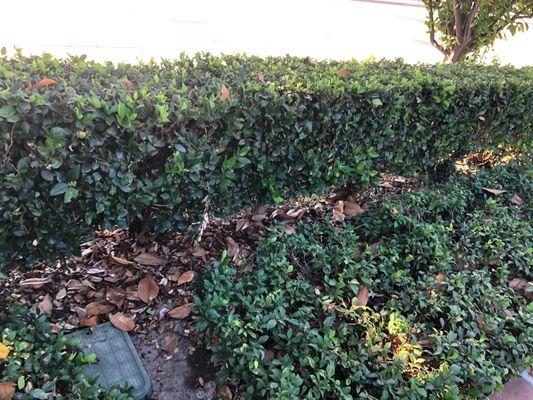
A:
[413,299]
[86,144]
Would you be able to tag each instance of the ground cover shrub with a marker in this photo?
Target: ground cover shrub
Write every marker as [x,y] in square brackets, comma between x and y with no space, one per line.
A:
[410,300]
[45,365]
[85,144]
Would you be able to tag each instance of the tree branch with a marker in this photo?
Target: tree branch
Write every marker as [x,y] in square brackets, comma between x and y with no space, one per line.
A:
[470,20]
[458,21]
[432,32]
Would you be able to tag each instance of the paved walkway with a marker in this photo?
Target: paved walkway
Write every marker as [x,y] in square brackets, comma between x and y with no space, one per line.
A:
[128,30]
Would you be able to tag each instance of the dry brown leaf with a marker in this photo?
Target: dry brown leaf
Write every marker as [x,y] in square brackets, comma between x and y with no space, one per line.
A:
[149,259]
[289,229]
[122,321]
[34,283]
[46,306]
[259,217]
[516,200]
[7,390]
[45,82]
[89,322]
[362,295]
[518,284]
[200,253]
[261,77]
[222,391]
[115,296]
[181,312]
[117,260]
[338,211]
[439,278]
[399,179]
[224,93]
[233,248]
[148,289]
[494,191]
[186,277]
[345,71]
[99,307]
[351,209]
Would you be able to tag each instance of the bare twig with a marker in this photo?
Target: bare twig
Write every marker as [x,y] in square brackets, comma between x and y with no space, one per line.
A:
[205,220]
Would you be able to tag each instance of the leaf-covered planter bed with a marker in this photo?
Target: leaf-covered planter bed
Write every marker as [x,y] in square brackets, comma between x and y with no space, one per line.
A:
[424,296]
[86,144]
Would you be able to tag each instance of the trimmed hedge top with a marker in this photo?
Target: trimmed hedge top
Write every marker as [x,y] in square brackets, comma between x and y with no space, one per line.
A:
[86,143]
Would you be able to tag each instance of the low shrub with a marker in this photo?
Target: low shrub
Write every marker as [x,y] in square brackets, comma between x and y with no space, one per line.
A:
[46,365]
[411,300]
[85,144]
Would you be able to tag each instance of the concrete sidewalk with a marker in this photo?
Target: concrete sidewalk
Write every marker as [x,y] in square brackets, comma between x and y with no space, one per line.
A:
[130,30]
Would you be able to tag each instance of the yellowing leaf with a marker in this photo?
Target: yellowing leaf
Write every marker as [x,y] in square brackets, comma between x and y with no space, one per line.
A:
[45,82]
[122,321]
[186,277]
[224,93]
[181,312]
[4,351]
[148,289]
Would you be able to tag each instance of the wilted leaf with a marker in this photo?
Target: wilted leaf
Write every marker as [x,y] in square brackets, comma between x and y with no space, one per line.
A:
[224,93]
[494,191]
[99,307]
[4,351]
[517,200]
[338,211]
[362,295]
[233,248]
[34,283]
[223,391]
[45,82]
[261,77]
[148,289]
[186,277]
[46,306]
[149,259]
[351,209]
[7,390]
[122,321]
[118,261]
[181,312]
[345,71]
[115,296]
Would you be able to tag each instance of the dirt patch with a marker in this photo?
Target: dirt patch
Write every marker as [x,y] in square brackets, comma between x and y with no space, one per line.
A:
[178,370]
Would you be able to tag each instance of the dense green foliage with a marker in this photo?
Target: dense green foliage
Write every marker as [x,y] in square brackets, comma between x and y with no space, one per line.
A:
[441,321]
[45,365]
[110,145]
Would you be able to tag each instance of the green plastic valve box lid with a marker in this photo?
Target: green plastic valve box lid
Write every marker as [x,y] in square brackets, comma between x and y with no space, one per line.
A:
[118,361]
